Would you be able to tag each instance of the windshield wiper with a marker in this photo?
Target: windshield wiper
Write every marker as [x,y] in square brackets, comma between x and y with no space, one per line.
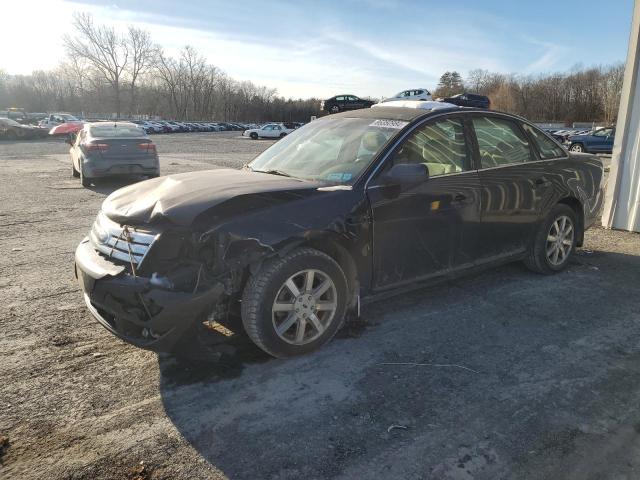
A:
[274,172]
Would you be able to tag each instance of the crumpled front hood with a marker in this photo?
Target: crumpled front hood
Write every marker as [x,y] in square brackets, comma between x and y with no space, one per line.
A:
[181,198]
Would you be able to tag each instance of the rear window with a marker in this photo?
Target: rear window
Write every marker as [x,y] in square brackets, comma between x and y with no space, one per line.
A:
[116,131]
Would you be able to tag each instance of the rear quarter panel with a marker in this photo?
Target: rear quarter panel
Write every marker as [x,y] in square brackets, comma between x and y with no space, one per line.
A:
[579,176]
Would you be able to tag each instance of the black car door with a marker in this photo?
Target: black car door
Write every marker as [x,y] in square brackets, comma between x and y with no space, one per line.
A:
[516,186]
[426,228]
[355,103]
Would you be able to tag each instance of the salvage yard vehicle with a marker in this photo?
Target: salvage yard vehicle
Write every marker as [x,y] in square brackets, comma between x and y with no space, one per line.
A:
[112,149]
[350,206]
[270,130]
[469,100]
[341,103]
[55,119]
[415,94]
[598,141]
[12,130]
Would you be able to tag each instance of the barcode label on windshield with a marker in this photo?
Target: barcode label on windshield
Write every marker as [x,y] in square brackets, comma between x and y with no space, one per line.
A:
[395,124]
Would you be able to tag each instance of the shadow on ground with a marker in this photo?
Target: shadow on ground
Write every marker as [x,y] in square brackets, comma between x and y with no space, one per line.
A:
[109,185]
[506,374]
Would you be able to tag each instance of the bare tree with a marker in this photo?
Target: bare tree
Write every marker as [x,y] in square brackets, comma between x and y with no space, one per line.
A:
[105,50]
[142,53]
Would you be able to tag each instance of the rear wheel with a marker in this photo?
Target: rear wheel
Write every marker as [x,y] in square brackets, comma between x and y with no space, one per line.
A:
[85,181]
[295,304]
[555,241]
[74,172]
[577,147]
[282,135]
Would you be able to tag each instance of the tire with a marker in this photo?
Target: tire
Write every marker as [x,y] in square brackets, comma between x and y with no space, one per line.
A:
[538,258]
[11,135]
[335,109]
[253,135]
[74,172]
[282,135]
[86,182]
[577,147]
[269,286]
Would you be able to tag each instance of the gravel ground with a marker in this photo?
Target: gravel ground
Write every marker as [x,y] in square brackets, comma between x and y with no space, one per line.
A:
[517,375]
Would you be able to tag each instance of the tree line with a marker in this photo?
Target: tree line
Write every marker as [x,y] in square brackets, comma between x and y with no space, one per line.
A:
[126,75]
[581,95]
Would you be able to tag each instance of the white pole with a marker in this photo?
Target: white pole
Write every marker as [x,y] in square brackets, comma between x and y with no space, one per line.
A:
[622,200]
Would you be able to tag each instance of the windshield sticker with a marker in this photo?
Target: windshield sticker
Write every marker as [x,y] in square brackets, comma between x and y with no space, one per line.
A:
[339,177]
[394,124]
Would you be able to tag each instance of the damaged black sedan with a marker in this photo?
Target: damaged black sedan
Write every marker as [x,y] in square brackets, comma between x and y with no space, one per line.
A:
[348,207]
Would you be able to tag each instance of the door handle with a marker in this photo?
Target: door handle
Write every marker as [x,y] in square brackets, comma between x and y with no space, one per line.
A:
[542,182]
[459,198]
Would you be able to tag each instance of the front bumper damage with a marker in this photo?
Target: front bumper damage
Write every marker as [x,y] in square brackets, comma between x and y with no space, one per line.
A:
[139,310]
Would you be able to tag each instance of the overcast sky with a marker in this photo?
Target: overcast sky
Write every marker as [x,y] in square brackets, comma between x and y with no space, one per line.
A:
[320,48]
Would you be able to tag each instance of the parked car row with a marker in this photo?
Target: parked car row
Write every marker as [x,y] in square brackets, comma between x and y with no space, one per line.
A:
[170,126]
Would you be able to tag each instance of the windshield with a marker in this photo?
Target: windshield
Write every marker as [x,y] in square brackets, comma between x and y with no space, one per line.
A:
[335,150]
[69,118]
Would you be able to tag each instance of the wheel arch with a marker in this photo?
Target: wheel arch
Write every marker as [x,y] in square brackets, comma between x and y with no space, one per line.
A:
[576,206]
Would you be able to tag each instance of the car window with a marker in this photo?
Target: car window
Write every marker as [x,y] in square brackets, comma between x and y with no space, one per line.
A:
[546,147]
[440,146]
[501,142]
[108,130]
[603,132]
[352,98]
[340,99]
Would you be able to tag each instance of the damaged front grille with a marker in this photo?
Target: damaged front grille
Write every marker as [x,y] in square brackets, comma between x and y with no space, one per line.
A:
[127,244]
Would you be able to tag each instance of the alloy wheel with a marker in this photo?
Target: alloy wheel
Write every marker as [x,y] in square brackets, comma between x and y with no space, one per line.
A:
[559,240]
[304,307]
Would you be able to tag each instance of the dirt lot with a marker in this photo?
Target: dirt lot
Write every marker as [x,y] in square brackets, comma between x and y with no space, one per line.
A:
[519,375]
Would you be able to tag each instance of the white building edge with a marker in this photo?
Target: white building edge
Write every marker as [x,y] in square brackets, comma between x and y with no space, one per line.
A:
[622,201]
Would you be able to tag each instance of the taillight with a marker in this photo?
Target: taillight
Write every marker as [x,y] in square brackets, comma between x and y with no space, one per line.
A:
[147,147]
[96,147]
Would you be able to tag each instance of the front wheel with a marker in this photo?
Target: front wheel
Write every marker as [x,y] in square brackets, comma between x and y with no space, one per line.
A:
[335,109]
[577,147]
[253,135]
[555,241]
[74,172]
[295,304]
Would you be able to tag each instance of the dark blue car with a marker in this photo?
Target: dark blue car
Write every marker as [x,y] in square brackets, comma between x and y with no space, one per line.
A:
[598,141]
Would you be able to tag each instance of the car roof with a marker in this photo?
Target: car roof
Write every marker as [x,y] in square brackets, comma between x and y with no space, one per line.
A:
[124,124]
[391,113]
[409,114]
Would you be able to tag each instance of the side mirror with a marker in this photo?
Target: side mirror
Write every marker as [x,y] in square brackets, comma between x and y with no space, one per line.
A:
[407,173]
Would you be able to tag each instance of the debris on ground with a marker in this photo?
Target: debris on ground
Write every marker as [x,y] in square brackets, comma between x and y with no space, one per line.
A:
[138,472]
